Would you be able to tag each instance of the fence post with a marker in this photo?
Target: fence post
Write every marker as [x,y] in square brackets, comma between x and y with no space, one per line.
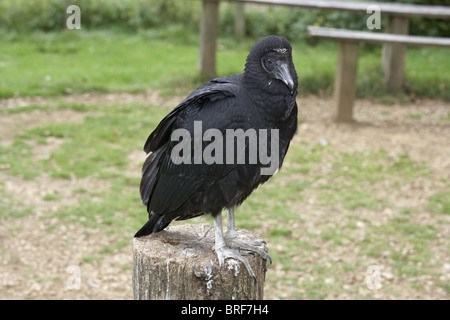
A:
[393,55]
[178,263]
[208,38]
[239,21]
[345,81]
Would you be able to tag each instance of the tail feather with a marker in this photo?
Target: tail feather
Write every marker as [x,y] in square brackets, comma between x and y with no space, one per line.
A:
[155,223]
[149,180]
[150,174]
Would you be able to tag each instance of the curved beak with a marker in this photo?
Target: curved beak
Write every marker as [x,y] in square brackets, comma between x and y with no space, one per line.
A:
[283,73]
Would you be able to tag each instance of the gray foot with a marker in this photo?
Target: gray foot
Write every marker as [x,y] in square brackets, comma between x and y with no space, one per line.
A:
[235,243]
[223,252]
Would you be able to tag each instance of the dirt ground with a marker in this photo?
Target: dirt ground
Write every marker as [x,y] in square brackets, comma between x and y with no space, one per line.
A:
[30,269]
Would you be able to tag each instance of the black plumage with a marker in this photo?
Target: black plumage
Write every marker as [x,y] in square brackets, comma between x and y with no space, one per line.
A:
[262,97]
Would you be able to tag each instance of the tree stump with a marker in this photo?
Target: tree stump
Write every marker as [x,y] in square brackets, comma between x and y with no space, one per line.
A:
[179,263]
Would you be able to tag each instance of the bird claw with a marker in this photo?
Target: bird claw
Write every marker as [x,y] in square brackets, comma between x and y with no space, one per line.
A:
[236,248]
[235,242]
[224,252]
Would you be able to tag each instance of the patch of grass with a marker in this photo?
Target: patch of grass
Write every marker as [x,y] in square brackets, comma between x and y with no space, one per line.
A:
[126,267]
[333,235]
[115,210]
[295,188]
[51,197]
[376,166]
[374,247]
[350,198]
[10,207]
[412,232]
[439,203]
[46,107]
[407,211]
[315,289]
[16,159]
[14,210]
[280,232]
[302,157]
[445,285]
[360,199]
[411,256]
[97,147]
[77,62]
[446,118]
[89,258]
[414,116]
[79,190]
[354,174]
[67,62]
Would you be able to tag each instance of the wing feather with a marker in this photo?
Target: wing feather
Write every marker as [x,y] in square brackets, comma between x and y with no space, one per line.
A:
[165,186]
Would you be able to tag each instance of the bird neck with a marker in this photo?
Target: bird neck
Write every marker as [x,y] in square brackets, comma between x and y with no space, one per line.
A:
[258,87]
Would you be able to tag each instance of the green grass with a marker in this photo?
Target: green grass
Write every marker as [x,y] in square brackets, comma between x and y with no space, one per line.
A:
[76,62]
[12,209]
[80,61]
[439,202]
[445,285]
[91,148]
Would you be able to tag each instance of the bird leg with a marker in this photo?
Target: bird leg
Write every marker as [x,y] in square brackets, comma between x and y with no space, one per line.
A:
[234,242]
[230,246]
[223,252]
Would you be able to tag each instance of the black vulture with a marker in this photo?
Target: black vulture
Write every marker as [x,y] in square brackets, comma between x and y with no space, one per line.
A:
[191,171]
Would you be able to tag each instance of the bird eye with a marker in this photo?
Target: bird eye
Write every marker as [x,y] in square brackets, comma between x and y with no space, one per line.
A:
[267,64]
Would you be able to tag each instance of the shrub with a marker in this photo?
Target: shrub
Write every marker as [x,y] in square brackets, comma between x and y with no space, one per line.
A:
[132,15]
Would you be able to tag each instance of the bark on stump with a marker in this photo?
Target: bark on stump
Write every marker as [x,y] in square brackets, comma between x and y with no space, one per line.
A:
[178,263]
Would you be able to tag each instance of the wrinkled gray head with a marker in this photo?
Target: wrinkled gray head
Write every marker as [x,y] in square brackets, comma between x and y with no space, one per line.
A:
[269,63]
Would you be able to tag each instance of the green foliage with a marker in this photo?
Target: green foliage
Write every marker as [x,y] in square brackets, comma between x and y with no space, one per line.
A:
[289,22]
[49,15]
[427,27]
[134,15]
[32,15]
